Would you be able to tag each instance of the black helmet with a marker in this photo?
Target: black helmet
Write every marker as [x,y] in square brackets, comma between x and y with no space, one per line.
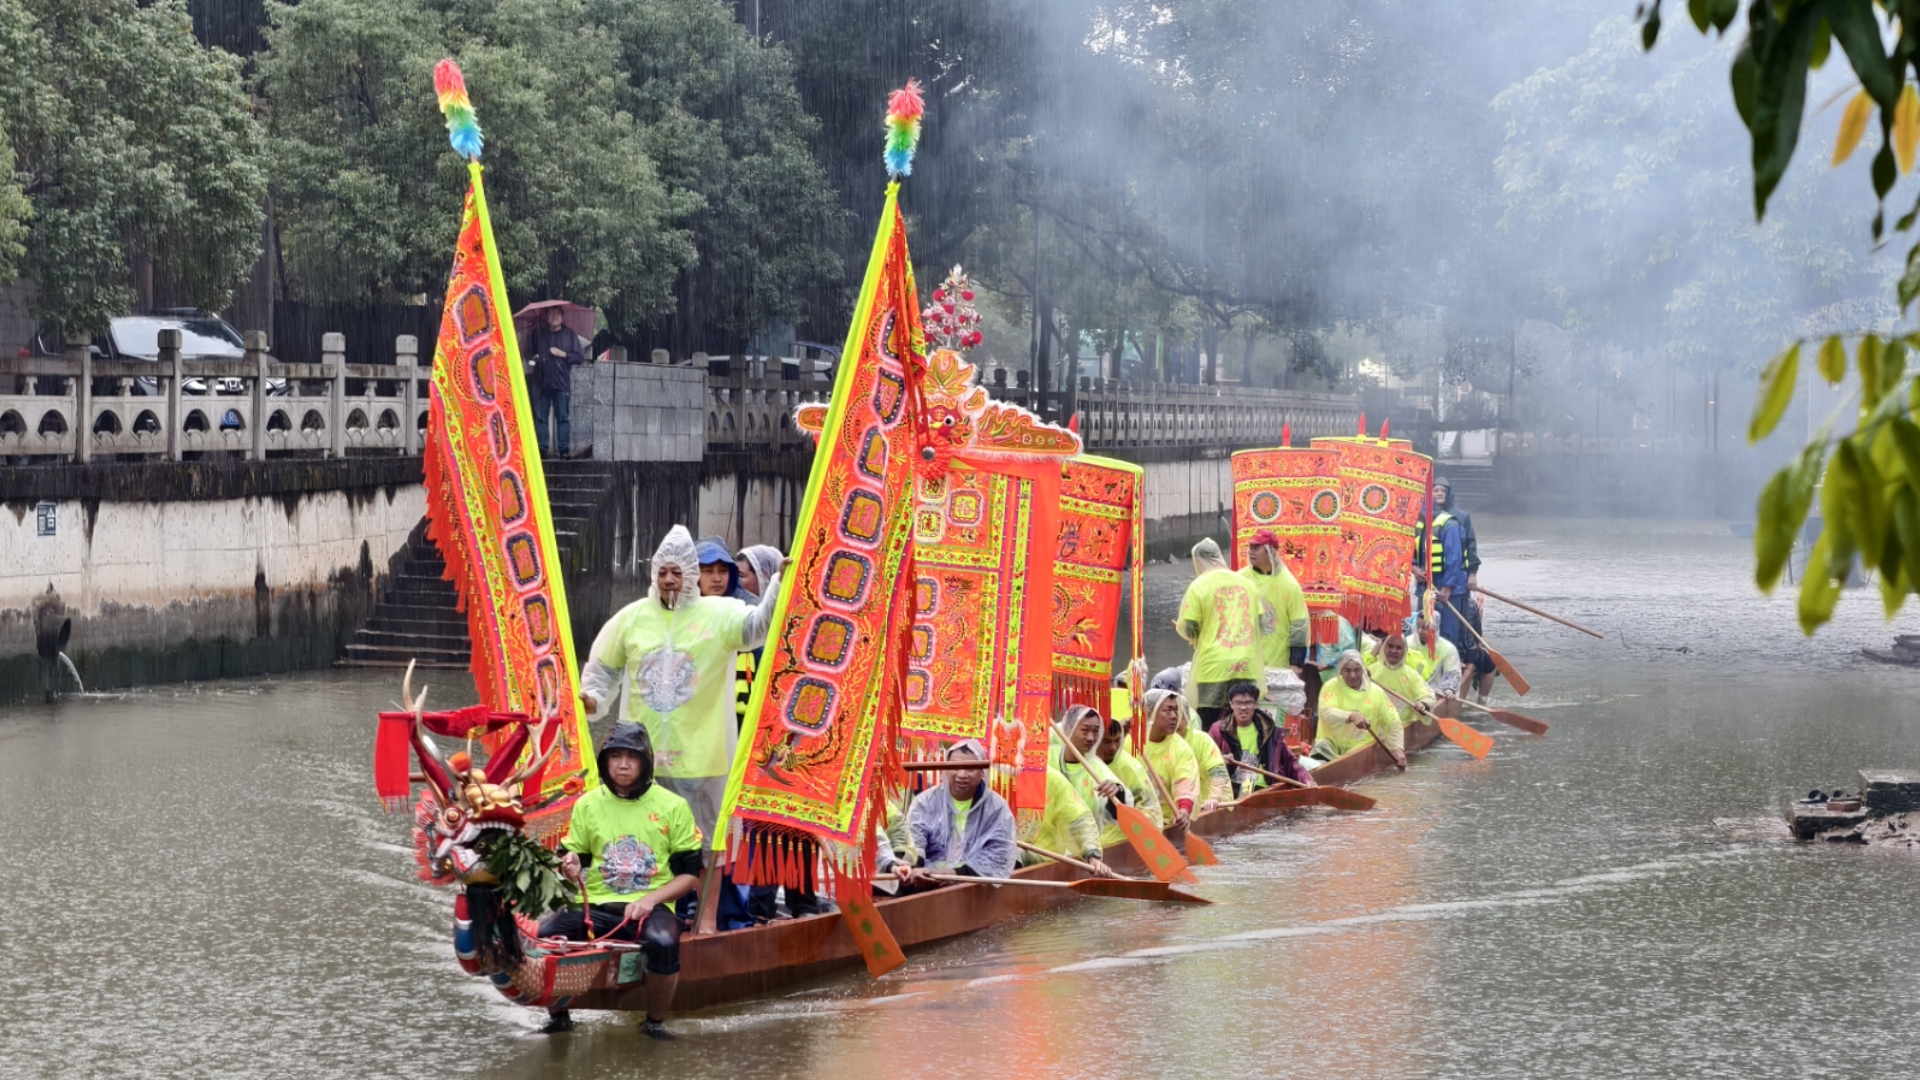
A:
[625,736]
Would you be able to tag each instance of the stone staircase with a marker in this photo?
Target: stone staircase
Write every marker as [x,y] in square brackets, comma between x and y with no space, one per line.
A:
[417,618]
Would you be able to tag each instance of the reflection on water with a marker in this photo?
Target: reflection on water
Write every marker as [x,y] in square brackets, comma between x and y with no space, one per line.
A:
[200,882]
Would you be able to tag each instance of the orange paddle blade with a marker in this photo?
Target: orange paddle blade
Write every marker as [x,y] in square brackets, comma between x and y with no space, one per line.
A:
[1473,742]
[1129,889]
[1152,845]
[1200,853]
[877,946]
[1520,720]
[1519,683]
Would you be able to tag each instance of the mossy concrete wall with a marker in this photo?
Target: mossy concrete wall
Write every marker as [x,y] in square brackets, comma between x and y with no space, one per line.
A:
[194,570]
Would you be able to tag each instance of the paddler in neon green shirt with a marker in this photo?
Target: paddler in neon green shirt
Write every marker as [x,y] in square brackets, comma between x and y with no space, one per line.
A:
[1127,769]
[673,654]
[1215,787]
[1440,667]
[1098,786]
[1222,619]
[1283,604]
[1170,760]
[1390,669]
[1067,827]
[1354,712]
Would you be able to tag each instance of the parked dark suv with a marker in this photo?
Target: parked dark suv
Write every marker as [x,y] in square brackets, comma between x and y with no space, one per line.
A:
[137,337]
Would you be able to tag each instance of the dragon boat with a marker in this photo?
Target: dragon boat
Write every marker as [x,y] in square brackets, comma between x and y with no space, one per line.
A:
[461,809]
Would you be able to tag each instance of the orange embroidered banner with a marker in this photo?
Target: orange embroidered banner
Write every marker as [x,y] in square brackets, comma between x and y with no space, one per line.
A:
[487,513]
[1295,492]
[1383,490]
[1100,522]
[826,702]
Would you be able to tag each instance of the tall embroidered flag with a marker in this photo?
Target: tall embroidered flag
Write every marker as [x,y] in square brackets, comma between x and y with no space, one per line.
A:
[826,702]
[1295,492]
[487,497]
[986,498]
[1383,490]
[1100,520]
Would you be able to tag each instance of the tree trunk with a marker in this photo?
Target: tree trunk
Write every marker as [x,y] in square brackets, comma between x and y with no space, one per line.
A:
[1043,362]
[1211,339]
[1246,361]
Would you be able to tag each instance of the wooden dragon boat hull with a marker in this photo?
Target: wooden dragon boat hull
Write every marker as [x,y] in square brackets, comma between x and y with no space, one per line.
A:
[719,969]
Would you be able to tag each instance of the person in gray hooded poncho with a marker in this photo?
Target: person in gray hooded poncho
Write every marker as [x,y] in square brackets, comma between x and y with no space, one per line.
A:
[960,826]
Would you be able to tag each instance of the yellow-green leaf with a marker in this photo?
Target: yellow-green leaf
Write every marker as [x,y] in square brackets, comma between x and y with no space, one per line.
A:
[1906,127]
[1840,505]
[1782,374]
[1868,357]
[1853,124]
[1833,360]
[1772,533]
[1905,513]
[1819,592]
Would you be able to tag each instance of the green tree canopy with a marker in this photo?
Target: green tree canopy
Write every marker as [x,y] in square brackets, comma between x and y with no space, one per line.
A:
[367,192]
[1863,468]
[127,138]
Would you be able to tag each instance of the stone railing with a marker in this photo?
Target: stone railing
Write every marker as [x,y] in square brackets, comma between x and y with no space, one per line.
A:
[749,412]
[80,407]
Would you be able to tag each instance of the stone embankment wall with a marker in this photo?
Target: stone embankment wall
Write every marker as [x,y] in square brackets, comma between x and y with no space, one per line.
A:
[193,571]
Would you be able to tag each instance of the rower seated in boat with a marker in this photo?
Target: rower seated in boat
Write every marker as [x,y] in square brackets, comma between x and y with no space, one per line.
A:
[1126,768]
[1354,712]
[1169,760]
[1216,787]
[1067,826]
[1392,670]
[1093,780]
[1439,666]
[1248,734]
[635,849]
[958,826]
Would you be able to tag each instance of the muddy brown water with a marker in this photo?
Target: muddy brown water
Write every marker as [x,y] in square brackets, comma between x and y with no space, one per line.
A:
[199,882]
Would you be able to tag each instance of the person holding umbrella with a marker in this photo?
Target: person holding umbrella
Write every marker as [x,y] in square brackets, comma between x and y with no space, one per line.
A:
[551,351]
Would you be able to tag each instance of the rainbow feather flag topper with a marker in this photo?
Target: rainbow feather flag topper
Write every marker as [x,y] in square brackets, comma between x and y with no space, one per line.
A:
[904,107]
[463,128]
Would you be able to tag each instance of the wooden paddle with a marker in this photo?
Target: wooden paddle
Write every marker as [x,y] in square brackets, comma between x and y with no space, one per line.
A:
[1172,893]
[1553,618]
[1510,718]
[1520,684]
[1337,797]
[1110,888]
[877,945]
[1473,742]
[1156,852]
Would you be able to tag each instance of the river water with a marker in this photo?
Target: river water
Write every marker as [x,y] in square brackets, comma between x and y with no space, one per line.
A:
[199,882]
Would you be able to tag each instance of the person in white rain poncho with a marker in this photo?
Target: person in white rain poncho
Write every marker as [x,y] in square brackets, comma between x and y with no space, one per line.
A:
[675,649]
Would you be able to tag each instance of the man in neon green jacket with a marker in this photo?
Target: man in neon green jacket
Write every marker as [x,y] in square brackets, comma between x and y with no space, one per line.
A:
[1282,603]
[1222,619]
[672,653]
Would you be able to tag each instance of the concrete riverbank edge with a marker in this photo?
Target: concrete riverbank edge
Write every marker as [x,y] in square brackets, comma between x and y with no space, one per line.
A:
[184,571]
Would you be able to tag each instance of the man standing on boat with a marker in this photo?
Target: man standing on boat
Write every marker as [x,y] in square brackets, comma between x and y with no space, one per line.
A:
[673,651]
[1283,604]
[1443,551]
[959,826]
[633,847]
[1221,617]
